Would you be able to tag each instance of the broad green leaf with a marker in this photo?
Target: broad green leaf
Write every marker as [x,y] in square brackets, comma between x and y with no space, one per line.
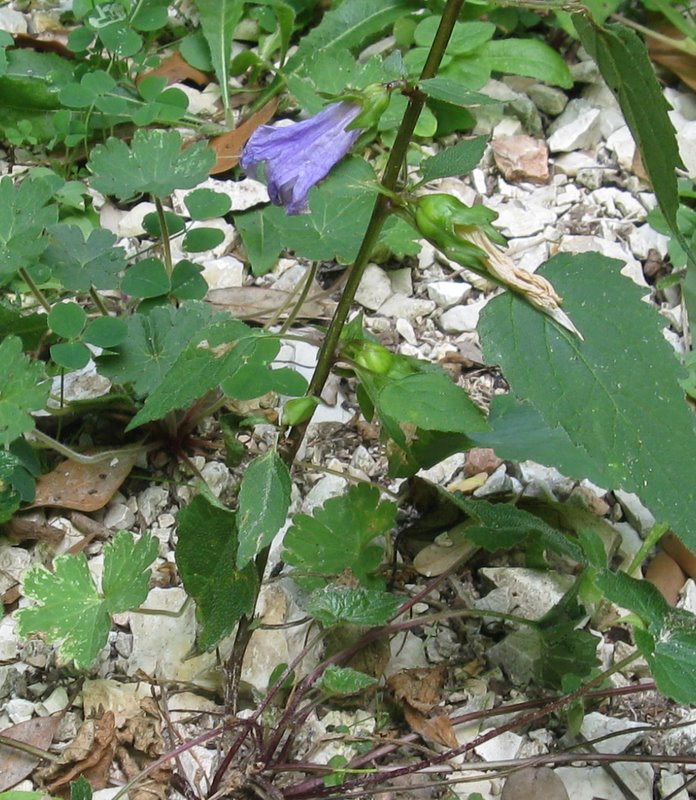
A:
[218,19]
[333,604]
[67,320]
[207,204]
[173,222]
[457,160]
[668,644]
[70,609]
[264,499]
[199,368]
[23,217]
[151,15]
[518,432]
[466,37]
[153,164]
[340,209]
[529,57]
[21,390]
[453,93]
[339,536]
[199,240]
[616,394]
[10,498]
[70,355]
[153,344]
[342,681]
[431,401]
[206,553]
[106,331]
[79,263]
[503,526]
[187,281]
[353,24]
[120,39]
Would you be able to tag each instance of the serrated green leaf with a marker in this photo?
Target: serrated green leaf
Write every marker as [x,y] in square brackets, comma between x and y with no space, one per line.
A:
[264,499]
[24,215]
[21,390]
[198,370]
[205,556]
[349,26]
[529,57]
[340,536]
[457,160]
[153,164]
[10,498]
[565,649]
[79,263]
[205,204]
[70,609]
[333,604]
[126,577]
[453,93]
[340,208]
[611,392]
[218,19]
[342,681]
[502,526]
[153,344]
[466,37]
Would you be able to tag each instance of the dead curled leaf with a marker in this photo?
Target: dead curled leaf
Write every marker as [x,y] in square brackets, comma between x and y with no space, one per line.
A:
[677,61]
[666,576]
[83,487]
[228,146]
[16,765]
[258,303]
[419,691]
[176,69]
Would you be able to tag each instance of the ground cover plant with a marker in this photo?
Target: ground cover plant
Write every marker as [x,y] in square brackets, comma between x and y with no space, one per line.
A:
[594,389]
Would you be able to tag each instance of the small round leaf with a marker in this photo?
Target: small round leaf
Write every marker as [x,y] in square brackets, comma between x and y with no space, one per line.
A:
[201,239]
[207,204]
[67,320]
[187,281]
[106,332]
[175,224]
[147,278]
[70,355]
[152,86]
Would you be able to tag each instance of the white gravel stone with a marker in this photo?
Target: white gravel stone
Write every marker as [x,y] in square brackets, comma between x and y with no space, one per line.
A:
[589,783]
[636,513]
[328,487]
[535,591]
[670,785]
[577,128]
[375,287]
[596,725]
[518,219]
[405,330]
[502,748]
[400,306]
[623,146]
[217,476]
[56,701]
[119,517]
[131,224]
[14,561]
[548,99]
[588,244]
[446,294]
[686,139]
[12,21]
[401,281]
[571,163]
[461,319]
[498,482]
[683,103]
[643,238]
[601,97]
[19,710]
[218,251]
[151,502]
[224,273]
[8,639]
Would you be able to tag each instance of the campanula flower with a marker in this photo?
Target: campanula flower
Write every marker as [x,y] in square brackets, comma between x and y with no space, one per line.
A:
[298,156]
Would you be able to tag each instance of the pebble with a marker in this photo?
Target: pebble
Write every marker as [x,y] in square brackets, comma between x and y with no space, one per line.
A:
[131,223]
[686,139]
[404,307]
[623,146]
[518,219]
[19,710]
[401,281]
[375,287]
[535,591]
[8,639]
[601,97]
[521,158]
[670,786]
[217,476]
[56,701]
[446,294]
[589,783]
[461,319]
[405,330]
[499,482]
[224,273]
[549,99]
[578,127]
[327,487]
[635,512]
[119,517]
[151,502]
[12,21]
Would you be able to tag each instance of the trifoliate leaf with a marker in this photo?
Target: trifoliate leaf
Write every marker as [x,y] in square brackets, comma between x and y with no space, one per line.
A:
[21,390]
[154,164]
[342,681]
[333,604]
[67,320]
[205,556]
[23,217]
[71,610]
[79,264]
[264,499]
[339,536]
[207,204]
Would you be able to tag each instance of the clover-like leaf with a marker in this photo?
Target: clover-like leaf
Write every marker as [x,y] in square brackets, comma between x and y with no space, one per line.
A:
[339,536]
[205,555]
[153,164]
[21,390]
[69,607]
[79,263]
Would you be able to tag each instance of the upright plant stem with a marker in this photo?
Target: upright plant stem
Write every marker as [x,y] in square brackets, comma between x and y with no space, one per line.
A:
[164,233]
[380,213]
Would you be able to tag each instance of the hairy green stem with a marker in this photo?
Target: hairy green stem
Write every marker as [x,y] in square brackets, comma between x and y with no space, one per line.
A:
[81,458]
[98,302]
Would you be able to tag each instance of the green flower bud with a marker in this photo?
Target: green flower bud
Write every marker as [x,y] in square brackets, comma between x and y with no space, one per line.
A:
[299,409]
[369,355]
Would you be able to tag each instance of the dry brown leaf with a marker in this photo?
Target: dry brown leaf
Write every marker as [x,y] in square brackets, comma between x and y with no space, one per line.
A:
[176,69]
[48,42]
[16,765]
[91,753]
[228,146]
[83,487]
[421,688]
[666,576]
[258,303]
[437,728]
[681,64]
[680,553]
[140,743]
[533,783]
